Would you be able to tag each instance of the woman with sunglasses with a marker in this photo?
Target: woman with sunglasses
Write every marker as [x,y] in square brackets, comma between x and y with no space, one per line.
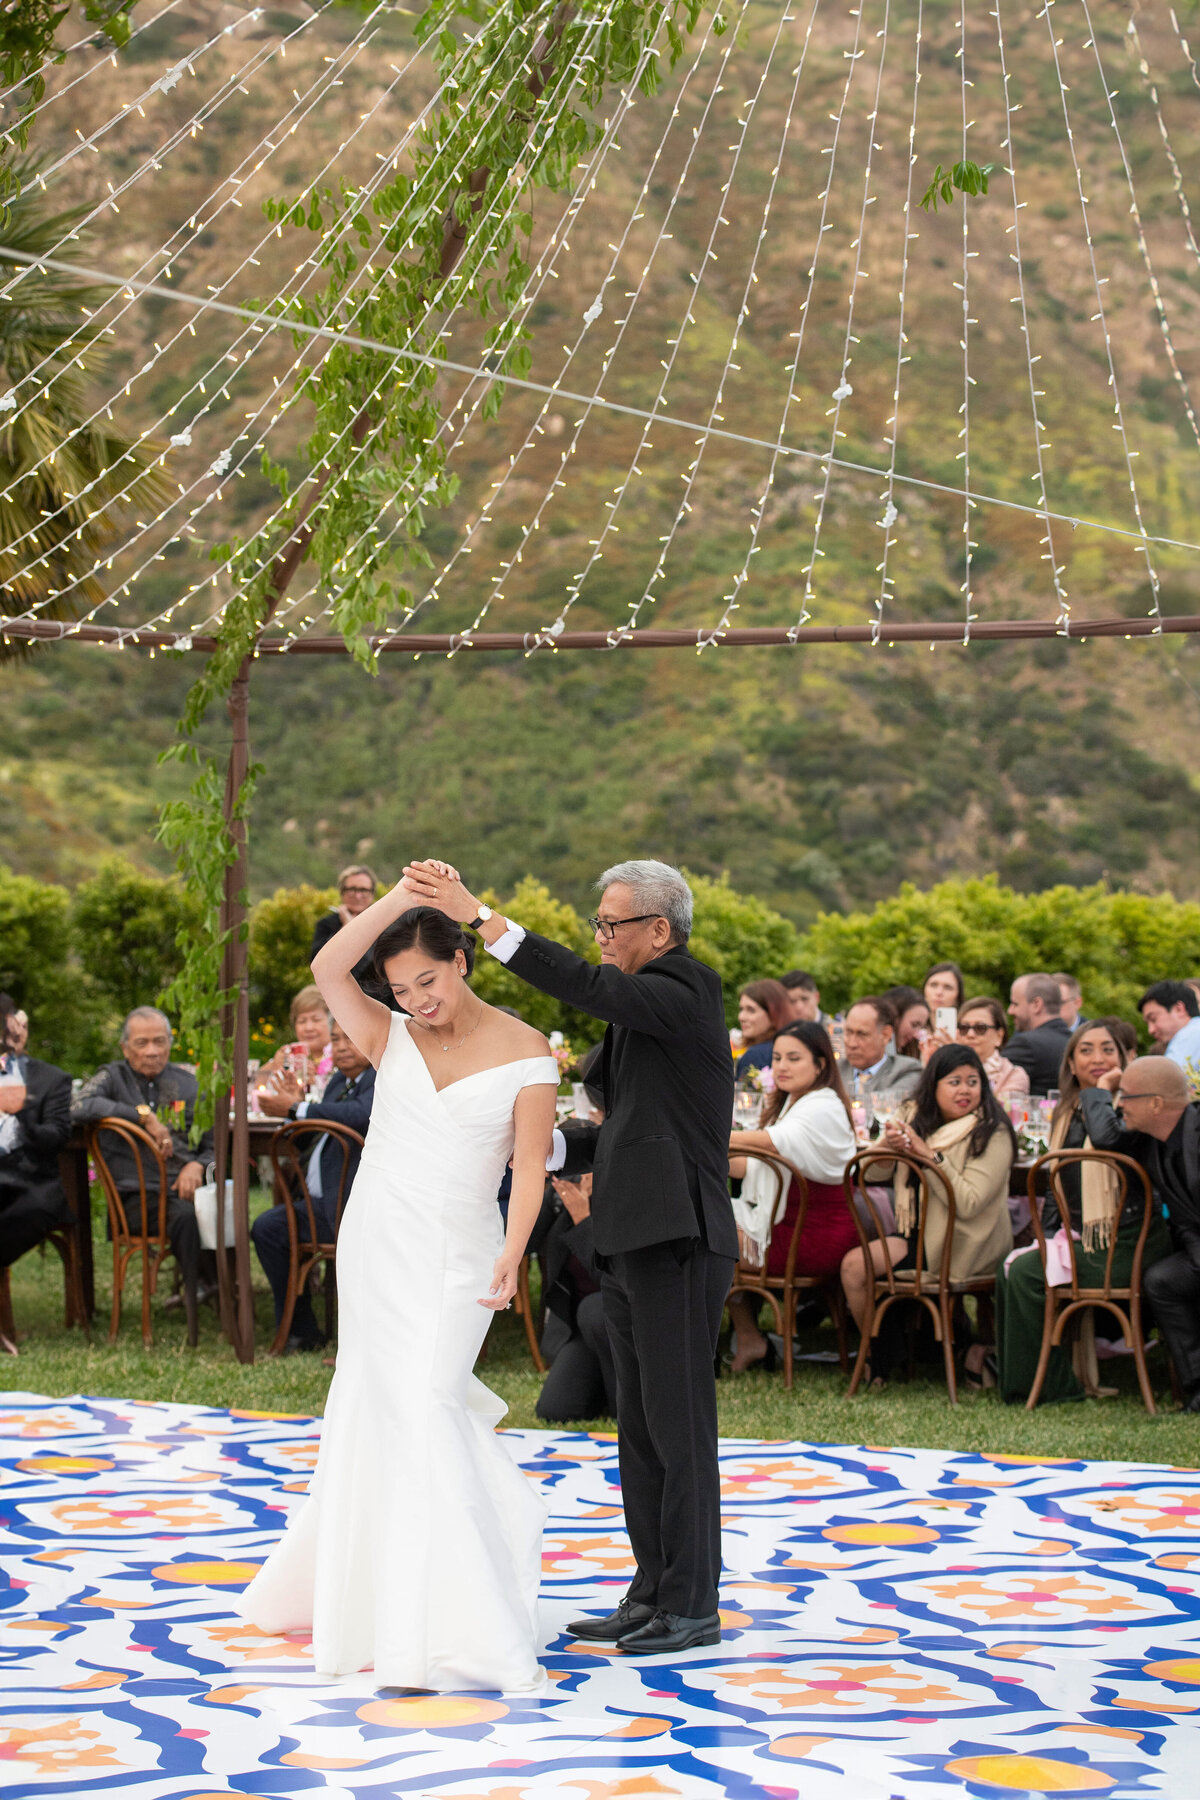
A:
[1094,1049]
[982,1025]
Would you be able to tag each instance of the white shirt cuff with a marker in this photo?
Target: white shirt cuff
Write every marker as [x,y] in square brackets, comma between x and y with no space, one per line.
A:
[558,1148]
[302,1110]
[507,946]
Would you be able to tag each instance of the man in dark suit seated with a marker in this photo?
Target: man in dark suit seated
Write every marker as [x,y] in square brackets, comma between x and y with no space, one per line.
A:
[149,1090]
[1041,1035]
[35,1123]
[347,1101]
[662,1221]
[1159,1126]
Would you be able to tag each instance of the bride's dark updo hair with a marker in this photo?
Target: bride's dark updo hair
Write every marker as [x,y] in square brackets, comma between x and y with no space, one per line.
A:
[423,928]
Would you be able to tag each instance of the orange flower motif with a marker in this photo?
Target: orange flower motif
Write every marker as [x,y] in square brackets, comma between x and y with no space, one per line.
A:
[1166,1511]
[61,1748]
[738,1480]
[841,1687]
[246,1643]
[574,1555]
[138,1513]
[1028,1596]
[40,1425]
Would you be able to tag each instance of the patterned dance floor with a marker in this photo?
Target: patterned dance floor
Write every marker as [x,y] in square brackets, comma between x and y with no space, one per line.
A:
[897,1622]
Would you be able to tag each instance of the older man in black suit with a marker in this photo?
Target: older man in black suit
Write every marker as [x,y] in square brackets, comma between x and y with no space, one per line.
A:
[346,1101]
[1159,1126]
[35,1123]
[662,1222]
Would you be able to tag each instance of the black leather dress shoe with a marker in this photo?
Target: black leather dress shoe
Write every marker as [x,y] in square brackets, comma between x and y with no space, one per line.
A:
[668,1631]
[628,1616]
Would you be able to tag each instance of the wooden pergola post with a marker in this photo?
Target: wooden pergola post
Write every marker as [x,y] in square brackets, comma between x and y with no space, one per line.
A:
[236,1297]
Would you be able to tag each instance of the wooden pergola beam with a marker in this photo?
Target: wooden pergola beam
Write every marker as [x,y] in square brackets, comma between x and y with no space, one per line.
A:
[946,631]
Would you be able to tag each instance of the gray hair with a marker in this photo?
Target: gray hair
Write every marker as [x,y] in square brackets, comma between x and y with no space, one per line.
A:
[145,1012]
[657,889]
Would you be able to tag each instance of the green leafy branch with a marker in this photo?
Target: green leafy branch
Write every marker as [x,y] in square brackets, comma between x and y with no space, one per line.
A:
[966,177]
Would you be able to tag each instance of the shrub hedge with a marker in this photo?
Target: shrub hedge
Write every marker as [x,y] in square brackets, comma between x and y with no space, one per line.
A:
[78,962]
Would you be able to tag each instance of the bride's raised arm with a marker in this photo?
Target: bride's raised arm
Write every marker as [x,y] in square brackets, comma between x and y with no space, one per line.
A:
[366,1022]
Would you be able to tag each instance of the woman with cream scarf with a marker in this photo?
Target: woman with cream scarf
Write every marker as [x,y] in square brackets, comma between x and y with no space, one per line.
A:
[1091,1190]
[953,1121]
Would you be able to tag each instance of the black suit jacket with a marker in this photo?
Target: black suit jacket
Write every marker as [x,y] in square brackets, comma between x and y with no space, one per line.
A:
[354,1112]
[1108,1131]
[45,1124]
[661,1158]
[328,926]
[556,1239]
[1039,1052]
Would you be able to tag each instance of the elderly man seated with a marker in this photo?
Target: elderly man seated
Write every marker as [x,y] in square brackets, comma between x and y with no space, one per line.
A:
[147,1088]
[1159,1126]
[347,1101]
[35,1123]
[871,1064]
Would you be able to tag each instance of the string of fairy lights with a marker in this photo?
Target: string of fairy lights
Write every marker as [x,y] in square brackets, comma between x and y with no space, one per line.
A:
[745,72]
[309,267]
[891,512]
[460,416]
[1020,298]
[1100,317]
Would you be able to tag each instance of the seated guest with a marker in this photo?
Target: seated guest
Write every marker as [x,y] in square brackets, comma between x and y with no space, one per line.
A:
[1159,1126]
[347,1101]
[1170,1009]
[912,1019]
[581,1383]
[804,996]
[1095,1049]
[870,1064]
[309,1046]
[35,1123]
[954,1121]
[806,1119]
[144,1086]
[1037,1046]
[982,1025]
[943,986]
[1072,999]
[356,891]
[763,1009]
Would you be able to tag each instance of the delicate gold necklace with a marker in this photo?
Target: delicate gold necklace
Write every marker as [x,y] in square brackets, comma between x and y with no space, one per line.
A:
[466,1034]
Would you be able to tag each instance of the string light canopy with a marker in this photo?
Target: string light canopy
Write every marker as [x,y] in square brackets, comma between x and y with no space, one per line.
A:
[694,248]
[759,292]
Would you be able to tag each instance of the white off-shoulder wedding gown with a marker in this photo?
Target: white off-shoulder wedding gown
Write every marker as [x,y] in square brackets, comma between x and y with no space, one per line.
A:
[418,1550]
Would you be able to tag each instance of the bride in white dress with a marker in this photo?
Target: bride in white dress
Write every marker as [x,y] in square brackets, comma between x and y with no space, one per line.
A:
[418,1550]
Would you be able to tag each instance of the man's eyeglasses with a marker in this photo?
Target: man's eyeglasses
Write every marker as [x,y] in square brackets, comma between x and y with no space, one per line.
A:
[1123,1096]
[607,928]
[976,1030]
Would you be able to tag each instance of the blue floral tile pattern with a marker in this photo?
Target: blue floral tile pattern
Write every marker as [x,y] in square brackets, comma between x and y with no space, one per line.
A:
[897,1623]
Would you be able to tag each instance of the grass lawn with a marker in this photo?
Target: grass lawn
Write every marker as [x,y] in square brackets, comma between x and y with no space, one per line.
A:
[56,1362]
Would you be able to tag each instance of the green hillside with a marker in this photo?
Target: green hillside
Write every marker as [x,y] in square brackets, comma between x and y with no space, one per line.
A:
[820,777]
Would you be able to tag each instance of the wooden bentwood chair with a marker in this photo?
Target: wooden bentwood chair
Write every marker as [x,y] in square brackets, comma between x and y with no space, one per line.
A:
[291,1147]
[1063,1304]
[152,1245]
[931,1289]
[782,1292]
[65,1239]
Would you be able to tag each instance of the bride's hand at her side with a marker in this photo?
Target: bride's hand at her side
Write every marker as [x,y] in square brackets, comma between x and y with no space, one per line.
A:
[504,1283]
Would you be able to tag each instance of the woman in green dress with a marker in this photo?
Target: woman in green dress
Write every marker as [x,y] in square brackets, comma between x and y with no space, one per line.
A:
[1095,1047]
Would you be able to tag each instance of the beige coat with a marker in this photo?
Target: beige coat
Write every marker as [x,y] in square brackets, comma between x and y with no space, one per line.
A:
[982,1225]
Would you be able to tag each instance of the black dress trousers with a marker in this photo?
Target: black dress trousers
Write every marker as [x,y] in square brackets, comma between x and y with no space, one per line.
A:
[1172,1287]
[663,1306]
